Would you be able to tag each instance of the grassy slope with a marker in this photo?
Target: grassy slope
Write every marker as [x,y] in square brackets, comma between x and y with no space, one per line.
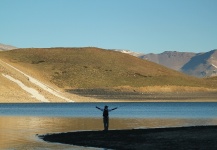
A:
[98,68]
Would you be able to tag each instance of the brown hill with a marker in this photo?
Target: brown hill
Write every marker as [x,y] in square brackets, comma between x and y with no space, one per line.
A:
[96,68]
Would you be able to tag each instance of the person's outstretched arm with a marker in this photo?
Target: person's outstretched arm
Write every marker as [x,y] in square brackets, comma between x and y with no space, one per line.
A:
[99,108]
[113,108]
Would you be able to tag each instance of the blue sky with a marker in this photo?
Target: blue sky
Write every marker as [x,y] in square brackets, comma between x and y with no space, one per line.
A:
[145,26]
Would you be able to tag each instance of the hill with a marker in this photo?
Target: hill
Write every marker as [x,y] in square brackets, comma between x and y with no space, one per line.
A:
[94,68]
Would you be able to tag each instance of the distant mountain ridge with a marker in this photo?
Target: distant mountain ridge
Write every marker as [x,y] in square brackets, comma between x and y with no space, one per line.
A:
[171,59]
[202,65]
[194,64]
[4,47]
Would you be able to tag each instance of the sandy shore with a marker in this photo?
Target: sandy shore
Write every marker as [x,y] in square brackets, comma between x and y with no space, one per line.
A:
[179,138]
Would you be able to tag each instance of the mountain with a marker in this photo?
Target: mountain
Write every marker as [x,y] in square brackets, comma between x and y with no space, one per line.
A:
[194,64]
[202,65]
[171,59]
[4,47]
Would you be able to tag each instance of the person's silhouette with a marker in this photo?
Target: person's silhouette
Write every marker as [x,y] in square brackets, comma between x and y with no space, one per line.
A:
[106,116]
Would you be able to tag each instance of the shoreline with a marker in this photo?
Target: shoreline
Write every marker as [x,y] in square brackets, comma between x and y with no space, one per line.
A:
[106,95]
[179,138]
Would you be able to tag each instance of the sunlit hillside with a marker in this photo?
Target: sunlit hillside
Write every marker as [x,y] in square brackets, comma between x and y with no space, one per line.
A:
[72,68]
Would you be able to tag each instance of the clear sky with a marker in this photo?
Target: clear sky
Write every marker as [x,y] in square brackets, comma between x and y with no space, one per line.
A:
[146,26]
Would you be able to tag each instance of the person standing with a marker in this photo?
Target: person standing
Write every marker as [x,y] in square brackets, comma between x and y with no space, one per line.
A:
[106,116]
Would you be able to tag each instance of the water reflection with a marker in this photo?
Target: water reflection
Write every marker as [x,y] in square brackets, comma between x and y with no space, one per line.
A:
[20,132]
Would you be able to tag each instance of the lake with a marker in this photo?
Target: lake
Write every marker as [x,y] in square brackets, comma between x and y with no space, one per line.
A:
[20,123]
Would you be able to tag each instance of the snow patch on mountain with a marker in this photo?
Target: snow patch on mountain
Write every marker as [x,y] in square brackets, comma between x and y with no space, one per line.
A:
[4,47]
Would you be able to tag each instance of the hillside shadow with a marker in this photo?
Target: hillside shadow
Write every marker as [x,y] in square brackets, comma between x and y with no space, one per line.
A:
[108,94]
[100,93]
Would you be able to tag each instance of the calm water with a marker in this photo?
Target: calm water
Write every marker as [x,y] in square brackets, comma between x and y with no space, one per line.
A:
[19,123]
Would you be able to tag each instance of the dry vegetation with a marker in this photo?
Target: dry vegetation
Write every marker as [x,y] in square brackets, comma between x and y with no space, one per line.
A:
[72,68]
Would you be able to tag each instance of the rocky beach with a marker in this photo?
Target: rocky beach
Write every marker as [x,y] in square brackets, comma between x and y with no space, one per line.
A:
[179,138]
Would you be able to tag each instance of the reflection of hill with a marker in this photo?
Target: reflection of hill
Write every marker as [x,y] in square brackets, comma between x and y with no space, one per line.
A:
[19,132]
